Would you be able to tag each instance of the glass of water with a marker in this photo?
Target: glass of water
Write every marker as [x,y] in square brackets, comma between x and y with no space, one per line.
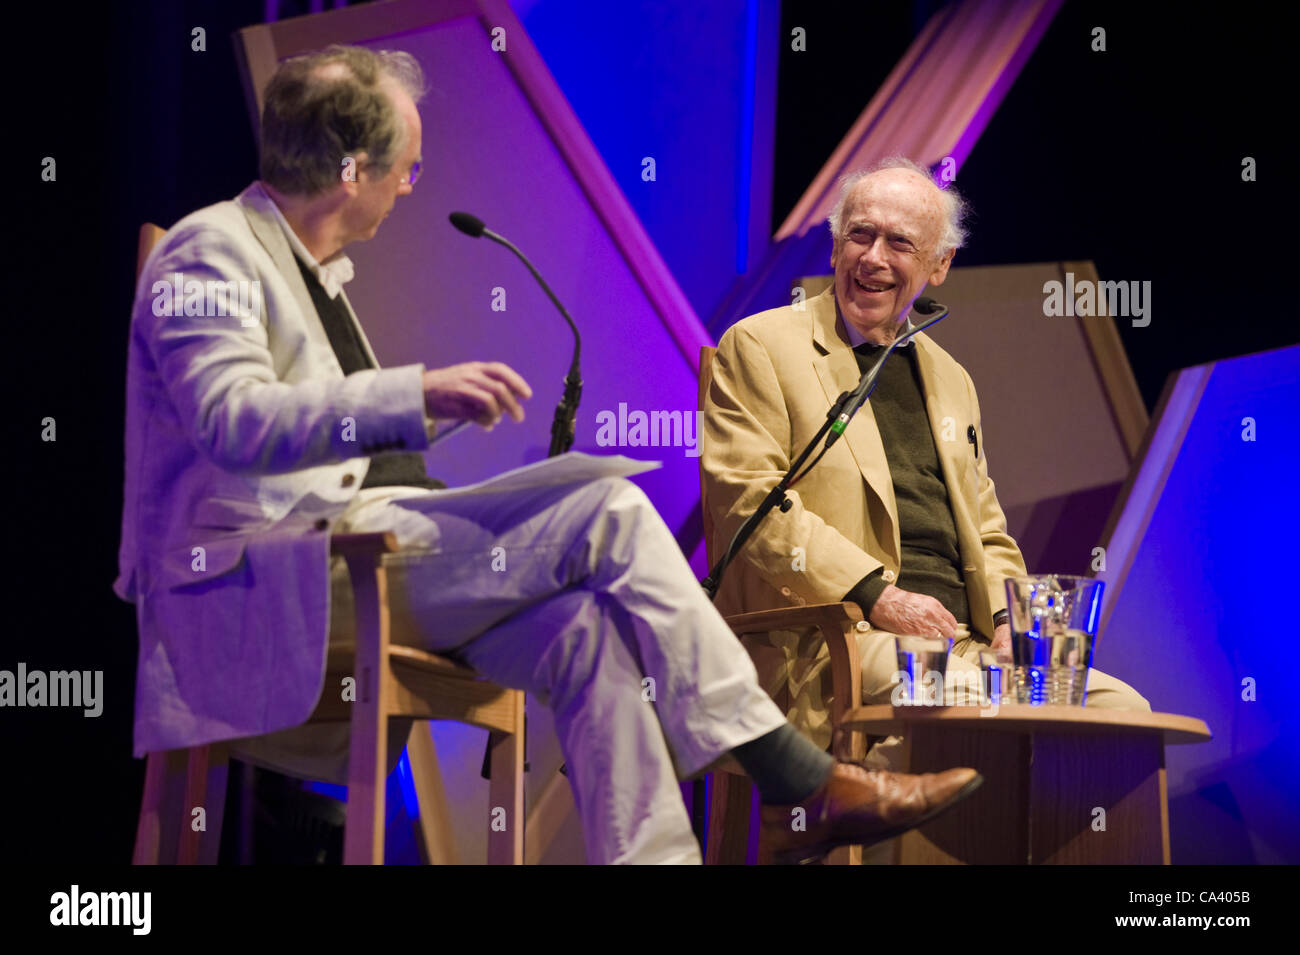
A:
[998,671]
[922,665]
[1053,622]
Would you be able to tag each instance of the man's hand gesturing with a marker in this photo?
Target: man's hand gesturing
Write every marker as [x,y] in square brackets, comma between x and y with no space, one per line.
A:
[903,612]
[478,391]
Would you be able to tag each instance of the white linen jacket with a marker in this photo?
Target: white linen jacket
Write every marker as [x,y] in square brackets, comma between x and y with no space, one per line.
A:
[244,444]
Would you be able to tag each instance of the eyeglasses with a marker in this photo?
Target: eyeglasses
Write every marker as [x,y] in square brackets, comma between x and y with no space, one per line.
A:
[411,177]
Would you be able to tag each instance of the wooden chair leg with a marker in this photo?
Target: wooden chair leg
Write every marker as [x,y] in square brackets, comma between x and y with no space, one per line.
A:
[159,822]
[846,677]
[845,855]
[218,775]
[433,832]
[548,814]
[148,828]
[730,800]
[506,792]
[176,783]
[206,772]
[846,682]
[363,838]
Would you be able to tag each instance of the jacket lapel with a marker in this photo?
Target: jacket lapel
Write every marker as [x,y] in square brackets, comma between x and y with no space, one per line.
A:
[254,203]
[361,332]
[950,442]
[837,369]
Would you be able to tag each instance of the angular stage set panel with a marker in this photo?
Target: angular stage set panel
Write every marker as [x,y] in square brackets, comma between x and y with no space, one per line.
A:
[1200,609]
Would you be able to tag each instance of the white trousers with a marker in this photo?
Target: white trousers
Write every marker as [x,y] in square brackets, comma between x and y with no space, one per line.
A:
[581,596]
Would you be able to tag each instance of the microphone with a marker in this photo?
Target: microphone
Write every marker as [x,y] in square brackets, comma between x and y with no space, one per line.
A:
[472,226]
[855,398]
[564,425]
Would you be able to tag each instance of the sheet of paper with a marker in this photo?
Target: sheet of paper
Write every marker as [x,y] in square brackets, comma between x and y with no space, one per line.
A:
[573,467]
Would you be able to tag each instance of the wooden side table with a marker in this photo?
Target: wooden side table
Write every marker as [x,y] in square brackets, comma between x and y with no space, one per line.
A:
[1062,784]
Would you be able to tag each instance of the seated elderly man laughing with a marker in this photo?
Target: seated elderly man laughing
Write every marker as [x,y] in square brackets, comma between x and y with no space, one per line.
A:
[894,518]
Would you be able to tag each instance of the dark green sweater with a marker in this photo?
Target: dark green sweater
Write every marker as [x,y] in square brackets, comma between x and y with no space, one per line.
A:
[931,562]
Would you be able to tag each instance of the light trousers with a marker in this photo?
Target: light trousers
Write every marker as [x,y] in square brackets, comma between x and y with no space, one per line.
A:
[580,595]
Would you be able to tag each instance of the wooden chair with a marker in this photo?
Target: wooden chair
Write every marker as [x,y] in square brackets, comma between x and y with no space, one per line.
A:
[732,797]
[392,682]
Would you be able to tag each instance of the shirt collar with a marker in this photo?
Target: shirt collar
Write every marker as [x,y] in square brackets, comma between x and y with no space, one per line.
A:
[856,338]
[332,273]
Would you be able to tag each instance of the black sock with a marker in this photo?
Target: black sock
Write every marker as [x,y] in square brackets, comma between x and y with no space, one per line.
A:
[784,765]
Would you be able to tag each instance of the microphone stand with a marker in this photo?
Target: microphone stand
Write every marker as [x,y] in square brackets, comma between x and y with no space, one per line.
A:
[837,419]
[564,424]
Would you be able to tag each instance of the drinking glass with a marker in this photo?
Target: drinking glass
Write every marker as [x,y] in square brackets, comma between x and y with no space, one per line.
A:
[922,664]
[1053,620]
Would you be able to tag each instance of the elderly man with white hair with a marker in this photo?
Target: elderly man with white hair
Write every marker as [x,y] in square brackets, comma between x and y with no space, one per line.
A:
[901,516]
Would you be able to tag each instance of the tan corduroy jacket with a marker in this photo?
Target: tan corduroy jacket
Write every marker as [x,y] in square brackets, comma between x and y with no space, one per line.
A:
[774,377]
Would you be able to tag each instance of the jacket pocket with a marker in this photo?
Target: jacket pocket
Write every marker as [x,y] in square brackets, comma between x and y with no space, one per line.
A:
[201,561]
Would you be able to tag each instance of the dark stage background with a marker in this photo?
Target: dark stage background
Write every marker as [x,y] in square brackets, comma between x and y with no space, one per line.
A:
[1132,159]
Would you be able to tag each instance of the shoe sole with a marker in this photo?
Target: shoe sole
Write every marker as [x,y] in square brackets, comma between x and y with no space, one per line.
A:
[811,855]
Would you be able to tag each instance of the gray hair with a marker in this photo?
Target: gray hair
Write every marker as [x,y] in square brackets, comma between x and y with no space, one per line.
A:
[956,208]
[315,116]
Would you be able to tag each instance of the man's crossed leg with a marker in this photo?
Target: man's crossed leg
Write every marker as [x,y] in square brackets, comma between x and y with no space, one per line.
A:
[580,595]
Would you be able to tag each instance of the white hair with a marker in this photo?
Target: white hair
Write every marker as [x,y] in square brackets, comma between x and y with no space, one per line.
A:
[956,208]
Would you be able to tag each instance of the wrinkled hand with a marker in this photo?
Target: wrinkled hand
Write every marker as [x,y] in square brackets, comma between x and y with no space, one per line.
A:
[903,612]
[480,391]
[1002,639]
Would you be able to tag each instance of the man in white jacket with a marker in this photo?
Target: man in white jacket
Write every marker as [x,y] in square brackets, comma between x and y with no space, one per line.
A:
[258,421]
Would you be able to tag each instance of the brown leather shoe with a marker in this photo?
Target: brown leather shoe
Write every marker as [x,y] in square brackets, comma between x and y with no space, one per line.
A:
[859,806]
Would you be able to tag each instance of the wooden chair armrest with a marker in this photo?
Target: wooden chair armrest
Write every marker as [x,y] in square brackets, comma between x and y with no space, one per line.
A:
[837,622]
[795,618]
